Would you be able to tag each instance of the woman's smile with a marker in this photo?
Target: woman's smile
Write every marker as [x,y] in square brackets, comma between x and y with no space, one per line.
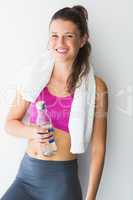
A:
[62,51]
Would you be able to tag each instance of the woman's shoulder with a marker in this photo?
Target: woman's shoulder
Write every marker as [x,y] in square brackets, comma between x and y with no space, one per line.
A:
[101,96]
[101,85]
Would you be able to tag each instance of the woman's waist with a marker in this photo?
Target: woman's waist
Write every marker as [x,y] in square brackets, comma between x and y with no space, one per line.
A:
[62,152]
[63,144]
[58,156]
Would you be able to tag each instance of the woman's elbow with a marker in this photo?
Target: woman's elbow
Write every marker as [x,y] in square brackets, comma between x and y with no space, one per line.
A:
[9,126]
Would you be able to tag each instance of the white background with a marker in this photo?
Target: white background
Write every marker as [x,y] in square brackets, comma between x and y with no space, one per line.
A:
[23,36]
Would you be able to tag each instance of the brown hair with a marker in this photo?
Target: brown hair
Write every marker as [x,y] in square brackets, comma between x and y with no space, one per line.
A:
[80,67]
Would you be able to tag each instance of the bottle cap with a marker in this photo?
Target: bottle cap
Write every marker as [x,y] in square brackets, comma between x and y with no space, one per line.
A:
[40,105]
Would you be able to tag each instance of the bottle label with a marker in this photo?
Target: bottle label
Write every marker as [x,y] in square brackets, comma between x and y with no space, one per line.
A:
[51,129]
[50,141]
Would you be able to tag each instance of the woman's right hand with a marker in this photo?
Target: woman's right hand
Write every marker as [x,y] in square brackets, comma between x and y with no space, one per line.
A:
[40,134]
[39,137]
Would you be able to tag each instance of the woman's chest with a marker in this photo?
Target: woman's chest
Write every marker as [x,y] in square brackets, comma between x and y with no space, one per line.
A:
[57,88]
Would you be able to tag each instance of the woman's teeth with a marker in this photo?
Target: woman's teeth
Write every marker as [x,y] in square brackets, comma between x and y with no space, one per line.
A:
[61,50]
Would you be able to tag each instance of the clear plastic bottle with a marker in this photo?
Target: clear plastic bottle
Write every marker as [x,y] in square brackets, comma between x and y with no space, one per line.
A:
[44,120]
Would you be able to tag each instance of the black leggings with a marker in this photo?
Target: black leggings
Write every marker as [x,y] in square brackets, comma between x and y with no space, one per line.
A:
[45,180]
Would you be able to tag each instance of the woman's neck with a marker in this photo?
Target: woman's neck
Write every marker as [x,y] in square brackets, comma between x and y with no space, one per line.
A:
[61,71]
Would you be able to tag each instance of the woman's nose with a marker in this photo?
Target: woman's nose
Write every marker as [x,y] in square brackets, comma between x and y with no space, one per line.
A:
[61,40]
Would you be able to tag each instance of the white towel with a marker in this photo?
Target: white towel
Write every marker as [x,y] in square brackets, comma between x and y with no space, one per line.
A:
[83,105]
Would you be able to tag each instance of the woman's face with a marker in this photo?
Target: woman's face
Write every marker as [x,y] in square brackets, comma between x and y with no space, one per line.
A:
[64,40]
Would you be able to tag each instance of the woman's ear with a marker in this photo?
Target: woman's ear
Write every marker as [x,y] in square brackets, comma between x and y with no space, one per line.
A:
[84,39]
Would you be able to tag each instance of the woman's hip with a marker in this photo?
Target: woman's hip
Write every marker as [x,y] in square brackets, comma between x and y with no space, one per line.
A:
[50,178]
[39,171]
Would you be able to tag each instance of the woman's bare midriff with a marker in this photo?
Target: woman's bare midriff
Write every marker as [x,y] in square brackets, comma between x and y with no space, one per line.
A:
[63,142]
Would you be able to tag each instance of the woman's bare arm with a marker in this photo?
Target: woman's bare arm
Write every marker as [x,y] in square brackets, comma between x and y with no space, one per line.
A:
[13,123]
[16,127]
[98,140]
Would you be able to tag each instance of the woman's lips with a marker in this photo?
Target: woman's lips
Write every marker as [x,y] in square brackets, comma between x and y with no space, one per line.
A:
[62,51]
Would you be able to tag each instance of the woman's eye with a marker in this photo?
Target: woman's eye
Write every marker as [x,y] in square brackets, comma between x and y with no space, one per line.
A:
[67,36]
[54,35]
[70,36]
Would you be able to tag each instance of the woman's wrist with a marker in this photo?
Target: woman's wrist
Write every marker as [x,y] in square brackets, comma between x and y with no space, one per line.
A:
[30,131]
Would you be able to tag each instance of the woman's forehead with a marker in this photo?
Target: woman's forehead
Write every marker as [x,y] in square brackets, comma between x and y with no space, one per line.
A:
[66,26]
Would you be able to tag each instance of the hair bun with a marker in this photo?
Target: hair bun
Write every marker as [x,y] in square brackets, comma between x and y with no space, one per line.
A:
[83,12]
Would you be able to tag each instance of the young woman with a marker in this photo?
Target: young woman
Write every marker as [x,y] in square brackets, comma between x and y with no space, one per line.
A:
[56,177]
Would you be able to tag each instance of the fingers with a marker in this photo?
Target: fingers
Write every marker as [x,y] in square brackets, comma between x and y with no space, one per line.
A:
[42,130]
[42,134]
[45,138]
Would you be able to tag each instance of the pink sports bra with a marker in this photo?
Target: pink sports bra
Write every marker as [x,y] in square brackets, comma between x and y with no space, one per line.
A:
[58,109]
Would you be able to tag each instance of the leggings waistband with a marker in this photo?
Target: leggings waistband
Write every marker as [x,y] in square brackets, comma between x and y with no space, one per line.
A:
[49,162]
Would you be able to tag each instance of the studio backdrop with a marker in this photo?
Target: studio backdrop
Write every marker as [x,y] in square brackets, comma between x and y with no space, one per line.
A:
[24,36]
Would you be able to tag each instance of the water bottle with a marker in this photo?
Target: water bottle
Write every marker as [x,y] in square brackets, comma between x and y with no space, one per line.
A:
[44,120]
